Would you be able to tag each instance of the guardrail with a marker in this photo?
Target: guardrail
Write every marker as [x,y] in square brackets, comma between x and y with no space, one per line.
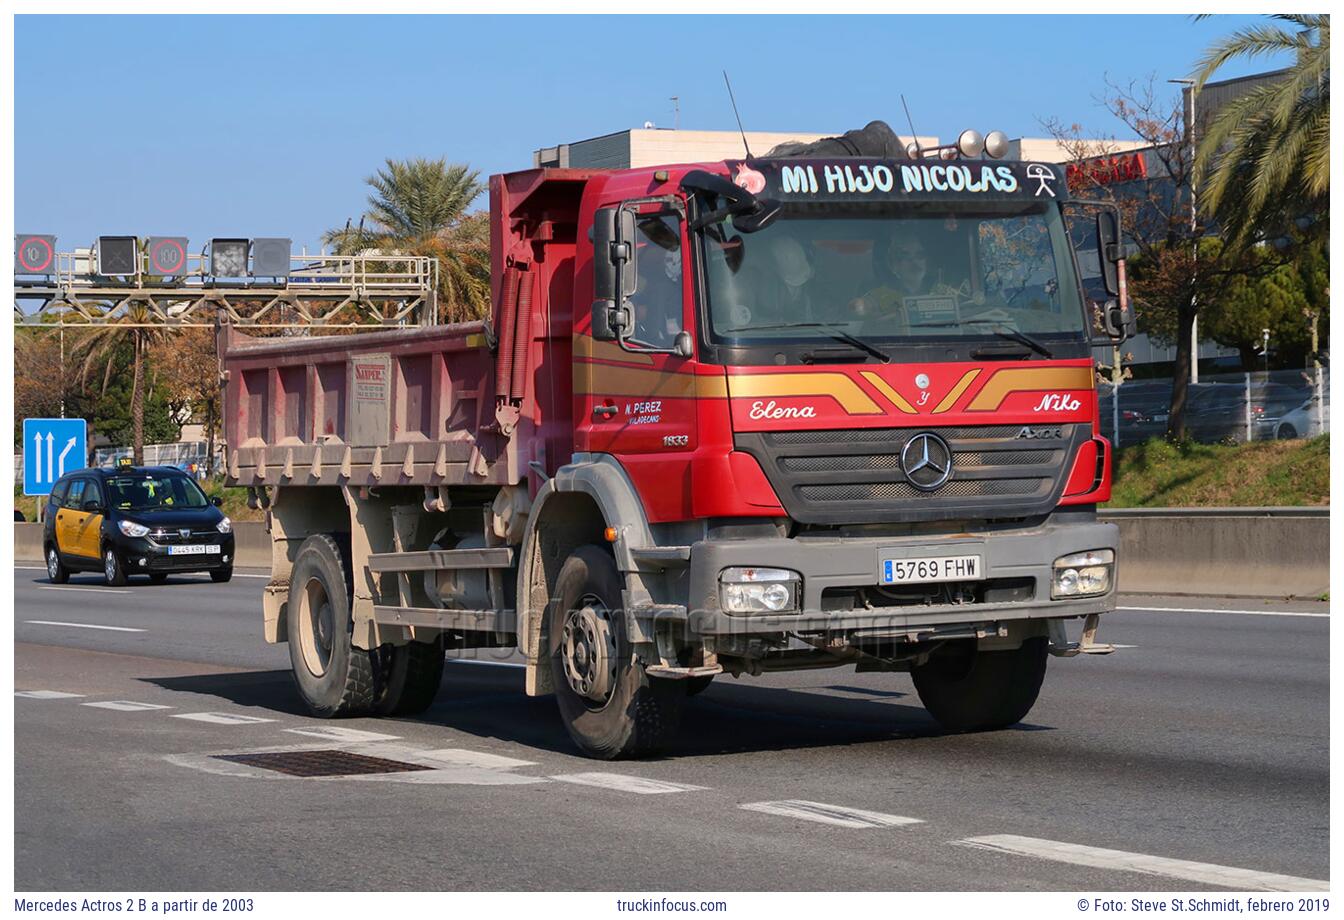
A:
[1239,552]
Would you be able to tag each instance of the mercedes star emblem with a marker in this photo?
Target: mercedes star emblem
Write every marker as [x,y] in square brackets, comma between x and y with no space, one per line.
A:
[926,461]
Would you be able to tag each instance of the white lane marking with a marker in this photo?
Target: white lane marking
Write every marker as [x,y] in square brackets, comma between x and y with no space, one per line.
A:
[42,568]
[83,625]
[221,718]
[1120,861]
[47,694]
[1248,613]
[1118,645]
[624,783]
[493,664]
[335,733]
[830,814]
[125,705]
[89,589]
[463,758]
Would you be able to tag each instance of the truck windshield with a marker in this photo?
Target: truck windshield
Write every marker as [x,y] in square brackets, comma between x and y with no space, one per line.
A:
[893,278]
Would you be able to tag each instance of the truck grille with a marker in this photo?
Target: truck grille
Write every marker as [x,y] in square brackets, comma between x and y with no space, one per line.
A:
[855,477]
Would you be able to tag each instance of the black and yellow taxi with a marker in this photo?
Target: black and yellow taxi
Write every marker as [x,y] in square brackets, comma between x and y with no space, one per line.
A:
[134,520]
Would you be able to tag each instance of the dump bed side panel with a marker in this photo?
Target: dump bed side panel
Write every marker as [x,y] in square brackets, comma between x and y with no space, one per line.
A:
[404,407]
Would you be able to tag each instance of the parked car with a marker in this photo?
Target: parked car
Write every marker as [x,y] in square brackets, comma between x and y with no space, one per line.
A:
[129,520]
[1302,422]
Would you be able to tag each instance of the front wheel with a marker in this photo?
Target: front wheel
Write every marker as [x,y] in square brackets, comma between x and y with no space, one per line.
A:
[610,707]
[968,690]
[333,677]
[113,571]
[1287,432]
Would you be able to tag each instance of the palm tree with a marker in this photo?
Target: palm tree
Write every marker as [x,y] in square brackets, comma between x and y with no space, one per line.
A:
[1265,160]
[418,208]
[99,348]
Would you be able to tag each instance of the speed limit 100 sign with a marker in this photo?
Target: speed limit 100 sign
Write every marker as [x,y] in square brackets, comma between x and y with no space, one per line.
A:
[34,254]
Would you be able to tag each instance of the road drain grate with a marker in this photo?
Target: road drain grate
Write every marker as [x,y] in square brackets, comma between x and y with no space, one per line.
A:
[322,763]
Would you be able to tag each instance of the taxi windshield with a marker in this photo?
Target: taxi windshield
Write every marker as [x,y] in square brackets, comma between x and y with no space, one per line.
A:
[154,492]
[895,277]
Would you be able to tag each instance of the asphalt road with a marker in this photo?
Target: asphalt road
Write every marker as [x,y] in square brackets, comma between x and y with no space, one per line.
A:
[1204,741]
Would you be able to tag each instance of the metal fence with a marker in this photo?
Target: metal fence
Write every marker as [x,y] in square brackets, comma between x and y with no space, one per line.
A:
[1221,408]
[182,454]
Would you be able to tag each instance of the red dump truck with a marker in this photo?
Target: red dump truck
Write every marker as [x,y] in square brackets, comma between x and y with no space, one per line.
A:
[734,417]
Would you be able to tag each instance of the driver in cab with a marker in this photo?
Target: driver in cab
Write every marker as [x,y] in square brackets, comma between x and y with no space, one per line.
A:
[903,273]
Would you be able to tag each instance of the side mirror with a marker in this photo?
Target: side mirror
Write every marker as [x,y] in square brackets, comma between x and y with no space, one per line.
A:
[604,273]
[767,209]
[217,501]
[683,347]
[1109,249]
[93,505]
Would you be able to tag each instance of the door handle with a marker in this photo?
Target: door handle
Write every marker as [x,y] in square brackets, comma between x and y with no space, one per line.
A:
[603,412]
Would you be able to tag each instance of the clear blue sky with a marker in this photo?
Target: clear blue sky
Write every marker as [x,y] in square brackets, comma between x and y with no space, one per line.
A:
[266,126]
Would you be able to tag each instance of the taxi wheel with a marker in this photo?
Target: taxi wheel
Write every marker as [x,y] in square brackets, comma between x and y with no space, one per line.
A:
[56,571]
[113,572]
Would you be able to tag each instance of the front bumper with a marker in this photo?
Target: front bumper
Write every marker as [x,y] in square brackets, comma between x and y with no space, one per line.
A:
[840,564]
[158,558]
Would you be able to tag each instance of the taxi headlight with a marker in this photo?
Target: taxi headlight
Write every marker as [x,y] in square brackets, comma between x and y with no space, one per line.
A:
[1084,574]
[132,529]
[748,589]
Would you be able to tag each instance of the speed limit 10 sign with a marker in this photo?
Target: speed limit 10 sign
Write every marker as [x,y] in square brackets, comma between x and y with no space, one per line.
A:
[34,254]
[167,255]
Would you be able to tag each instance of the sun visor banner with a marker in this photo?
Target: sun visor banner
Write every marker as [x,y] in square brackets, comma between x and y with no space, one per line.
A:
[859,180]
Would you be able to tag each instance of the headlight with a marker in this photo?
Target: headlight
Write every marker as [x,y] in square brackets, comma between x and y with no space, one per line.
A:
[1083,574]
[745,589]
[132,529]
[224,526]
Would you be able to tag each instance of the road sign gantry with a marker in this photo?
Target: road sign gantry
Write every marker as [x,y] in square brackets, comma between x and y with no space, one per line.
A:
[320,291]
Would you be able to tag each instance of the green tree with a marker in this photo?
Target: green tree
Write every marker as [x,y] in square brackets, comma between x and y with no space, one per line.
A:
[1264,161]
[100,348]
[110,407]
[418,207]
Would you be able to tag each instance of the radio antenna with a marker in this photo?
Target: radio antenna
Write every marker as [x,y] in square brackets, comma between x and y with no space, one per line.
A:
[737,116]
[914,137]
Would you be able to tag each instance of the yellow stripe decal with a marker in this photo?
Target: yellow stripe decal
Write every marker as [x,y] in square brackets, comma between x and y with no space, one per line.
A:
[839,387]
[585,346]
[886,390]
[1016,379]
[955,393]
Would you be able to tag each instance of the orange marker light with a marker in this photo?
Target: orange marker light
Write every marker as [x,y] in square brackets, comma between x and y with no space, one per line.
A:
[610,534]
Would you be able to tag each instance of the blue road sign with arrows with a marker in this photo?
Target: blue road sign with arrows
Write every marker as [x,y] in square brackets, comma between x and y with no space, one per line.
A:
[52,447]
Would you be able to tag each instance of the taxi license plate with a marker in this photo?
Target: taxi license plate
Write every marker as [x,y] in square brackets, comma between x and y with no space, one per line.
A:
[192,549]
[932,568]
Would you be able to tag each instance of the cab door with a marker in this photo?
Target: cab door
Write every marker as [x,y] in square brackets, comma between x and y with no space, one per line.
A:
[69,518]
[88,536]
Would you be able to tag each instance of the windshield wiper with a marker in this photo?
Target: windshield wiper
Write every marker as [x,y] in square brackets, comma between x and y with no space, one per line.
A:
[1000,330]
[833,331]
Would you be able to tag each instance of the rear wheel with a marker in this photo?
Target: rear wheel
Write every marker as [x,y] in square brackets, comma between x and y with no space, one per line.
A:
[968,690]
[333,676]
[1287,432]
[56,570]
[411,676]
[610,707]
[113,571]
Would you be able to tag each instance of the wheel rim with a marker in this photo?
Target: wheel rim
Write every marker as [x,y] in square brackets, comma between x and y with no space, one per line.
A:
[110,566]
[317,627]
[588,650]
[53,564]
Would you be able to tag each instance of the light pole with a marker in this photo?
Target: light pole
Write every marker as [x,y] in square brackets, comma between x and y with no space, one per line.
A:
[1194,233]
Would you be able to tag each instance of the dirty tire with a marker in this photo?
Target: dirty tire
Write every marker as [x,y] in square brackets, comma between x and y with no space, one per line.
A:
[970,691]
[57,573]
[641,715]
[411,677]
[342,681]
